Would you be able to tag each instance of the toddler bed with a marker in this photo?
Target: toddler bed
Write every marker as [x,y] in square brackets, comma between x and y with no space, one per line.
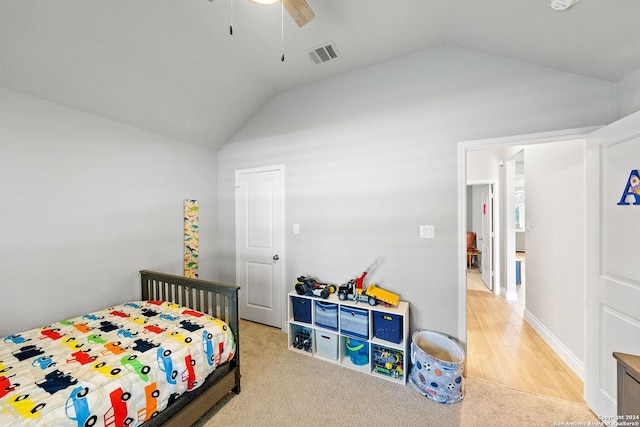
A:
[163,360]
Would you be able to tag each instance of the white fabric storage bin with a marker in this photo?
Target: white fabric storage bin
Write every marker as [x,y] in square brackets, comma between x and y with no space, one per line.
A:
[327,344]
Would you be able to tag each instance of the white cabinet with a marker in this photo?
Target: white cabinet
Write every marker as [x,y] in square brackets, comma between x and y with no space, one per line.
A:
[369,339]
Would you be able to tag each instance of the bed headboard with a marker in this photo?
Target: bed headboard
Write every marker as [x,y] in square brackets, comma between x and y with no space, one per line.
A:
[215,299]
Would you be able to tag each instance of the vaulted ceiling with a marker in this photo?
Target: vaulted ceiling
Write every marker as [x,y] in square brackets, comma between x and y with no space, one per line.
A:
[171,66]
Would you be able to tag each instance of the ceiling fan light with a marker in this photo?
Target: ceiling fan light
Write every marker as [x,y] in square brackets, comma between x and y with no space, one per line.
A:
[264,2]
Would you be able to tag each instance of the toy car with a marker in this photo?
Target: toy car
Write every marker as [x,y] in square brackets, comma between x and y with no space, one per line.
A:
[311,287]
[77,407]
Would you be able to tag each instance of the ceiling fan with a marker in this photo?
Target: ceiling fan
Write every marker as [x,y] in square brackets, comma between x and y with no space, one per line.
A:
[299,10]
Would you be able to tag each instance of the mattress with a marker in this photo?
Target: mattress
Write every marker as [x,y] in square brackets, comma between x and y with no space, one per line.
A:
[115,367]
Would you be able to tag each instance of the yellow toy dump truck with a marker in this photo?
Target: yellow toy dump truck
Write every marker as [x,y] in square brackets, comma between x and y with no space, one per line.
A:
[382,295]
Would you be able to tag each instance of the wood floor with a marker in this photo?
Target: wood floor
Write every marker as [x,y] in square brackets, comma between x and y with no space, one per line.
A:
[503,348]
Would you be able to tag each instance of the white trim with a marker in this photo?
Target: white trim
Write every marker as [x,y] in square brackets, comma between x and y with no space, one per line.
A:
[567,356]
[534,138]
[462,244]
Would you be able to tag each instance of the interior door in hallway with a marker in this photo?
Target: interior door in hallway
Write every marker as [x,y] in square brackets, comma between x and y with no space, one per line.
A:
[486,235]
[259,228]
[613,276]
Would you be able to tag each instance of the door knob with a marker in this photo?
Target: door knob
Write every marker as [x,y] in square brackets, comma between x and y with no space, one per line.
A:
[276,257]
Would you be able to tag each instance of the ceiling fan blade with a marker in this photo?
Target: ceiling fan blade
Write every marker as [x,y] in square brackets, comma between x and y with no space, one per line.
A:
[300,11]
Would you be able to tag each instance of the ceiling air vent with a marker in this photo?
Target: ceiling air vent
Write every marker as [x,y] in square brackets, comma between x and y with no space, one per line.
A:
[325,53]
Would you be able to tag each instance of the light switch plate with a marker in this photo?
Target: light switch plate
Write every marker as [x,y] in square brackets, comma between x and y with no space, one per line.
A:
[427,232]
[296,228]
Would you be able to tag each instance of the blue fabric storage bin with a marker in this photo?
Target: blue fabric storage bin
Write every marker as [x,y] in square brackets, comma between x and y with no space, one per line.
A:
[387,326]
[327,315]
[354,322]
[301,309]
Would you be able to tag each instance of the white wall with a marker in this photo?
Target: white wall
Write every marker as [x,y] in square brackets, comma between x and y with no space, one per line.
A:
[484,165]
[370,155]
[86,203]
[629,94]
[555,177]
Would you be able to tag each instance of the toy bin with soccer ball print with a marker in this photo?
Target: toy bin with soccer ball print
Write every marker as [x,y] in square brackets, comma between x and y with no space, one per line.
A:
[437,365]
[369,339]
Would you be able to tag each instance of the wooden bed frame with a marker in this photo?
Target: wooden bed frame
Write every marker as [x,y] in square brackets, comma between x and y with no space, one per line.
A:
[215,299]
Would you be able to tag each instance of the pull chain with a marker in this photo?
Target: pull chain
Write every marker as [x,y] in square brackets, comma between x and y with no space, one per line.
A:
[231,17]
[282,29]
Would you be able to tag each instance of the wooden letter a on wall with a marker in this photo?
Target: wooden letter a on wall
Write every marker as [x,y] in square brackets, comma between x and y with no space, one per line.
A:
[632,189]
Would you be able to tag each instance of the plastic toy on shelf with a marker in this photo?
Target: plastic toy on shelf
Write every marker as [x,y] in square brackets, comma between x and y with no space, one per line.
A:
[311,287]
[302,339]
[388,361]
[382,295]
[353,290]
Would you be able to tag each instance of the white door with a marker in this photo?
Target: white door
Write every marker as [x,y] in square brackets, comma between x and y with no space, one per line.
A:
[486,235]
[259,227]
[613,276]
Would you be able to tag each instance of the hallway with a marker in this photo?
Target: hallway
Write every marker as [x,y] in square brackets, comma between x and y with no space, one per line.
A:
[505,349]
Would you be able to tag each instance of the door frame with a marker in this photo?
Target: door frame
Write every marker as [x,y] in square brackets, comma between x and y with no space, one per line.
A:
[481,144]
[282,261]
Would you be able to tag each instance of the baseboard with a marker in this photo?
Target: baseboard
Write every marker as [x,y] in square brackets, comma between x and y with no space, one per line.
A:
[567,356]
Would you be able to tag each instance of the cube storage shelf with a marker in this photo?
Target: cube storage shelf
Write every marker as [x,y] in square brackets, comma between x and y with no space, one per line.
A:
[370,339]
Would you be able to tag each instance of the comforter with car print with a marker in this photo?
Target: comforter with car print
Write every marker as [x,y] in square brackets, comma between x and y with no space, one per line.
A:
[116,367]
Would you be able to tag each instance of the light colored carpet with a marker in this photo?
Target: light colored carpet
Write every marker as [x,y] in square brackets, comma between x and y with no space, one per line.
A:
[283,388]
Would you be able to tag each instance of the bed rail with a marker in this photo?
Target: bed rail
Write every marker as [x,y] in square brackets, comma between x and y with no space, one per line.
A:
[215,299]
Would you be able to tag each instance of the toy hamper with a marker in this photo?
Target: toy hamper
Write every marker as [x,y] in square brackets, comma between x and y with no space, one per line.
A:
[437,365]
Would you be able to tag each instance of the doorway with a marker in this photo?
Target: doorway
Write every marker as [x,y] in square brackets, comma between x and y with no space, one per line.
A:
[519,229]
[260,244]
[507,148]
[480,233]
